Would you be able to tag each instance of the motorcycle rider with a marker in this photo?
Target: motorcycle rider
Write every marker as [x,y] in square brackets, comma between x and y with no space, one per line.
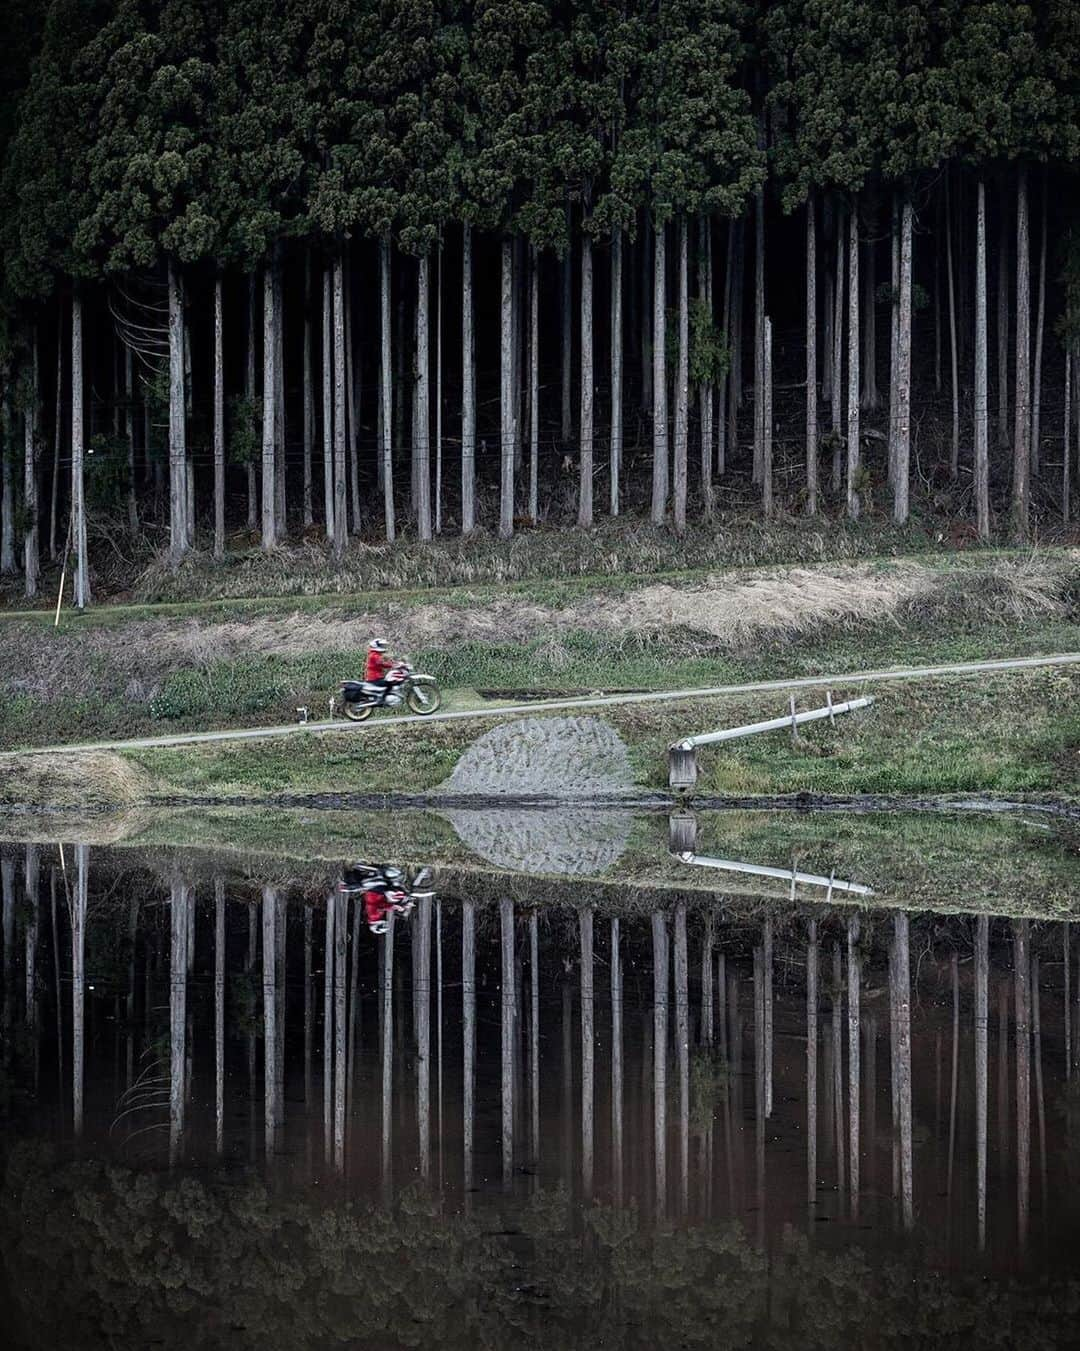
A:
[378,663]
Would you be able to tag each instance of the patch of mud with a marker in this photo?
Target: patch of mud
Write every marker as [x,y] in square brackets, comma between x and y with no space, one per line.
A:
[573,757]
[578,843]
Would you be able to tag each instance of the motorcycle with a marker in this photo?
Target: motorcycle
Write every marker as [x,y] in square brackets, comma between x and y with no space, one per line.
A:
[392,889]
[404,685]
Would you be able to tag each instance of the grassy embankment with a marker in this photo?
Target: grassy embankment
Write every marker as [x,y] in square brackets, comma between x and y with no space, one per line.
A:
[145,671]
[1010,735]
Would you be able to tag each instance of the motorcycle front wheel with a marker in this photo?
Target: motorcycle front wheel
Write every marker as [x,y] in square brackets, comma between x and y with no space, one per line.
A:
[424,699]
[359,712]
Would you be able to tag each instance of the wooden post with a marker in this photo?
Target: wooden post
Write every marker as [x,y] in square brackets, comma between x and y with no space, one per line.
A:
[794,724]
[682,769]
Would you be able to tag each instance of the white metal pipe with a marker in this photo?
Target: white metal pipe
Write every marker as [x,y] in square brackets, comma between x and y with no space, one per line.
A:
[773,725]
[784,874]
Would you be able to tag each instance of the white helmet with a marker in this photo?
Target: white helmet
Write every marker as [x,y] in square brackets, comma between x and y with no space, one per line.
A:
[377,644]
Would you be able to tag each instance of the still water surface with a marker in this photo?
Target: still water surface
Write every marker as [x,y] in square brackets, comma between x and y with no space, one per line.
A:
[234,1117]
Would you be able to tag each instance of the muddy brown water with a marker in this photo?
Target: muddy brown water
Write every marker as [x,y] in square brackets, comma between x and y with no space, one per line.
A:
[510,1125]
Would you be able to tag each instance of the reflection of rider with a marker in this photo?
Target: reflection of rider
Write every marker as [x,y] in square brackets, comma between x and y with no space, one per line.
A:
[378,663]
[378,905]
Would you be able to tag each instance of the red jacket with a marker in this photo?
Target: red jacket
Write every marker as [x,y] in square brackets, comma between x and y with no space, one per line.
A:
[378,663]
[377,905]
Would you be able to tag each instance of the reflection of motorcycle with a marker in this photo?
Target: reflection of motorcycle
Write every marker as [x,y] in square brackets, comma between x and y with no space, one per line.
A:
[385,890]
[401,685]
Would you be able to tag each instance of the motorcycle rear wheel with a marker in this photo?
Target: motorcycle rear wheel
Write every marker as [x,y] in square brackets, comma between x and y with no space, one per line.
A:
[424,699]
[359,712]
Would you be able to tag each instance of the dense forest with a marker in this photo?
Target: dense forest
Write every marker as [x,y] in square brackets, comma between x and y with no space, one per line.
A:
[354,268]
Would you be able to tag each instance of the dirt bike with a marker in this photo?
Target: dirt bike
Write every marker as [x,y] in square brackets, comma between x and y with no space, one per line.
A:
[402,685]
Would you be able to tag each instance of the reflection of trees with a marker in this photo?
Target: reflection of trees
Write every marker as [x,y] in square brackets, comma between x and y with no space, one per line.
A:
[176,1262]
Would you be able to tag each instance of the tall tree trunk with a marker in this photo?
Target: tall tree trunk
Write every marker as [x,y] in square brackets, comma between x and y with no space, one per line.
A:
[7,487]
[566,263]
[1003,320]
[189,468]
[871,399]
[937,301]
[759,335]
[129,436]
[468,388]
[178,526]
[249,392]
[386,393]
[327,365]
[438,397]
[31,546]
[647,308]
[894,339]
[616,366]
[659,344]
[903,374]
[219,422]
[1066,466]
[954,458]
[506,393]
[682,381]
[838,353]
[853,456]
[1040,325]
[341,526]
[422,426]
[828,307]
[724,433]
[269,404]
[585,464]
[766,421]
[705,389]
[738,311]
[280,431]
[1022,432]
[58,428]
[309,397]
[534,383]
[352,397]
[811,358]
[982,403]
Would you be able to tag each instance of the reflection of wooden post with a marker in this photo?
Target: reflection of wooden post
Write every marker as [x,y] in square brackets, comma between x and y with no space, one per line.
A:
[682,833]
[682,1042]
[534,1042]
[353,1030]
[854,974]
[506,915]
[78,981]
[660,1038]
[811,1064]
[180,902]
[308,1012]
[616,1067]
[1022,977]
[7,886]
[982,1037]
[219,1014]
[585,933]
[328,1025]
[280,928]
[468,998]
[439,1003]
[903,1068]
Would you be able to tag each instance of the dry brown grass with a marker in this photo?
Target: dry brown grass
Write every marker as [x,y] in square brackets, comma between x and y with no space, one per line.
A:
[724,613]
[89,781]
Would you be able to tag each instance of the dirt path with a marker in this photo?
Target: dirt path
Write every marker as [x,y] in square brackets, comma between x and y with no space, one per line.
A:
[968,668]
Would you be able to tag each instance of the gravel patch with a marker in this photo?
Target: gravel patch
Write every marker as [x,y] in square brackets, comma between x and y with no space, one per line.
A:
[545,757]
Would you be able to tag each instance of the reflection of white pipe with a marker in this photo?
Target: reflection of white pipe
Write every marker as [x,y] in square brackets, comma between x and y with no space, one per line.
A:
[784,874]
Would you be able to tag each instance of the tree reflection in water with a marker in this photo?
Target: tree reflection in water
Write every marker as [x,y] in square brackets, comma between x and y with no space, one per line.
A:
[621,1207]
